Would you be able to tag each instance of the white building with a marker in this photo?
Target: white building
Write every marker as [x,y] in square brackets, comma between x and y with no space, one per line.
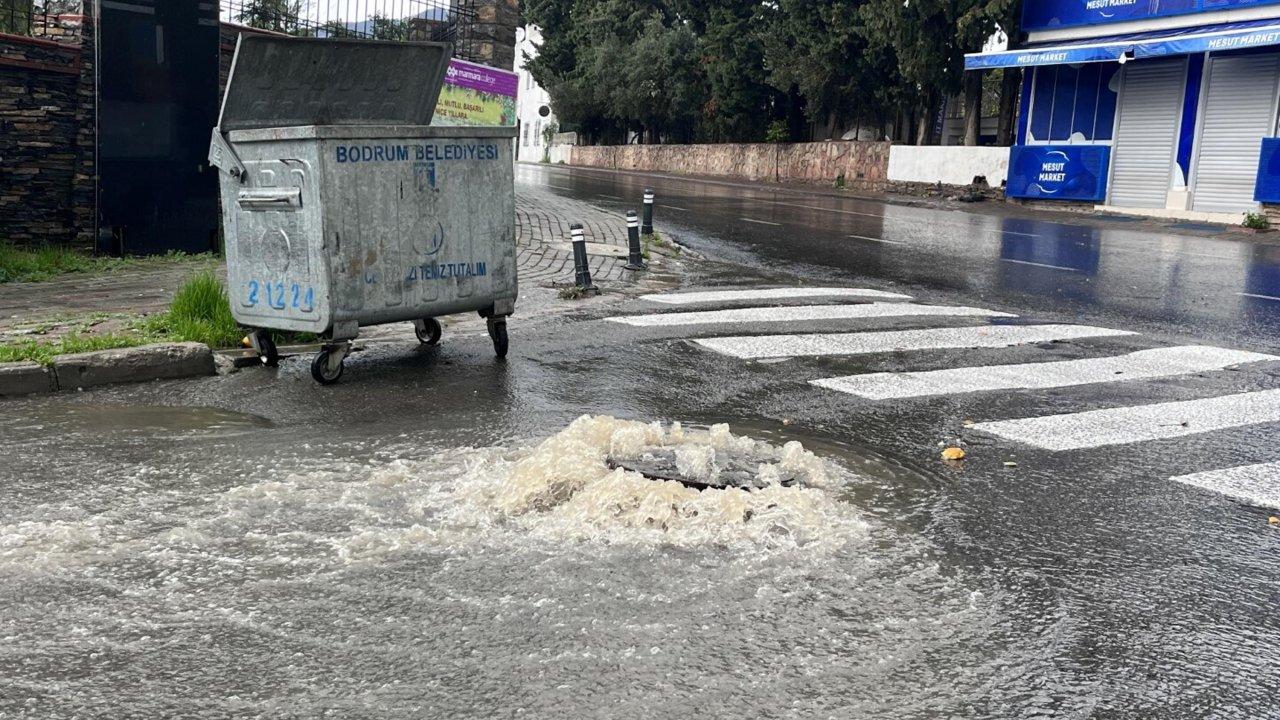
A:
[533,107]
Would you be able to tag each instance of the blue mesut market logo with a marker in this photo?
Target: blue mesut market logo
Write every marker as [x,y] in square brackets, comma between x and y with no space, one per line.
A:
[1076,172]
[1102,6]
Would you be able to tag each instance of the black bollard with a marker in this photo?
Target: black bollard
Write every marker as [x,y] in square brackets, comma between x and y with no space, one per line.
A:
[647,229]
[581,265]
[636,259]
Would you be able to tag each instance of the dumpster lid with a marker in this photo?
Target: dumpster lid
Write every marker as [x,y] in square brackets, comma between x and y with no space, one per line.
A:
[285,82]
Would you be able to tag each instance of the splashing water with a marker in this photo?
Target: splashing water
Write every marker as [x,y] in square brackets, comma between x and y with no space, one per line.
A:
[564,489]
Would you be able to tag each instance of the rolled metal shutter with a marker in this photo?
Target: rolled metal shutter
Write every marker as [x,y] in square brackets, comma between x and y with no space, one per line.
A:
[1239,110]
[1146,131]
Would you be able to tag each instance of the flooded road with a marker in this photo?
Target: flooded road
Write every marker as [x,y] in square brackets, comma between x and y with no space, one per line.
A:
[442,535]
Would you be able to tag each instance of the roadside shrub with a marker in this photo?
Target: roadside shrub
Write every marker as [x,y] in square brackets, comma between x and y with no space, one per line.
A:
[777,132]
[1256,221]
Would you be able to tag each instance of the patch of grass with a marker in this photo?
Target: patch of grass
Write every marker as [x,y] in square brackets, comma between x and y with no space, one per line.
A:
[200,312]
[44,352]
[656,239]
[22,264]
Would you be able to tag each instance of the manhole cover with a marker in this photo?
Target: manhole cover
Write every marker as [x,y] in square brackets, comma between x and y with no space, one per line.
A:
[718,470]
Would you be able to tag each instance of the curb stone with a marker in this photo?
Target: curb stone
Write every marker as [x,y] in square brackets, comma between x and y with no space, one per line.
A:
[104,367]
[137,364]
[25,378]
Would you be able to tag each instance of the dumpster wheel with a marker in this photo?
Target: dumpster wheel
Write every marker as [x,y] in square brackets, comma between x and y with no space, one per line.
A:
[266,347]
[329,363]
[498,332]
[428,331]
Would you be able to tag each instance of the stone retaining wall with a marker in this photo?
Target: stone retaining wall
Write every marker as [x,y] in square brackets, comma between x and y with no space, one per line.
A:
[863,165]
[47,141]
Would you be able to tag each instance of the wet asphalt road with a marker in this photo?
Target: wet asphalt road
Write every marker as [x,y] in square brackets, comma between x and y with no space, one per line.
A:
[255,546]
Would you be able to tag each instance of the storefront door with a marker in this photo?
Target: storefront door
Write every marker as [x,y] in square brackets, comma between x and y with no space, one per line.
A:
[1239,110]
[1146,132]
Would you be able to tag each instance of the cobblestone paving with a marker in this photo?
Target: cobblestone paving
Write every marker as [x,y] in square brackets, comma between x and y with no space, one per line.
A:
[542,224]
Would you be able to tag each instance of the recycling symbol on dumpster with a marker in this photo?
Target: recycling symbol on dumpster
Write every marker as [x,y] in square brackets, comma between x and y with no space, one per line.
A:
[430,245]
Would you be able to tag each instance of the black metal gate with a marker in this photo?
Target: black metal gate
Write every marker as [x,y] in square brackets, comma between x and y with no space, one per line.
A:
[157,102]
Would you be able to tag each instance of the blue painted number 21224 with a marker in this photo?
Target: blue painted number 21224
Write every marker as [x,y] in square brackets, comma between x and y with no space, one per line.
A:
[278,297]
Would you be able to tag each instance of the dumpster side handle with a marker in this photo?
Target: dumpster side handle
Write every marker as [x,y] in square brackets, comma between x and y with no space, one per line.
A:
[223,157]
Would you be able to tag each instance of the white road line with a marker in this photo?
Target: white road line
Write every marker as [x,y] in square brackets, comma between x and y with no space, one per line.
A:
[1253,484]
[986,336]
[1123,426]
[610,197]
[831,210]
[1260,297]
[879,240]
[672,207]
[1036,264]
[802,313]
[760,222]
[789,293]
[1144,364]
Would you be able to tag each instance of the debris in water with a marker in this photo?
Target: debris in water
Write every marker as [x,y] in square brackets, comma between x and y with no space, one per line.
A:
[1010,464]
[1273,520]
[953,454]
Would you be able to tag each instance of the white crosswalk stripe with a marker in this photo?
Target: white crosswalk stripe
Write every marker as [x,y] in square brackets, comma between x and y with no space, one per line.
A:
[802,313]
[990,336]
[1253,484]
[722,296]
[1123,426]
[1145,364]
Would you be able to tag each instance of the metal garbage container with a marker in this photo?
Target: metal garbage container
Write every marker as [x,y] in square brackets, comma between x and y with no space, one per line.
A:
[342,207]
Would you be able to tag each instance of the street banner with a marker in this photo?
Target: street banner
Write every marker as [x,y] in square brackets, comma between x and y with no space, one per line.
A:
[477,95]
[1052,14]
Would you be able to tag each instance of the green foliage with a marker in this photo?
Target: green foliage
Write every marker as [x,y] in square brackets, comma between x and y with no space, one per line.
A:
[777,132]
[1256,221]
[44,352]
[731,70]
[15,16]
[20,264]
[200,312]
[275,15]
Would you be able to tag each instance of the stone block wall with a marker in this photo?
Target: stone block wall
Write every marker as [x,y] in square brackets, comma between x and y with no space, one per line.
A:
[490,38]
[863,165]
[47,141]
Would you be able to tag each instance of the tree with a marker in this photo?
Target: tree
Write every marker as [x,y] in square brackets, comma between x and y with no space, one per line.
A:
[276,15]
[820,48]
[740,102]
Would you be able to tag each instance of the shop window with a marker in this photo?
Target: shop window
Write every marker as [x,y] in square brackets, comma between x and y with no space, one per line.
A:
[1073,104]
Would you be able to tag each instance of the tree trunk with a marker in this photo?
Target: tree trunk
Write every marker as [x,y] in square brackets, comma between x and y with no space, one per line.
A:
[1010,92]
[972,106]
[831,126]
[923,122]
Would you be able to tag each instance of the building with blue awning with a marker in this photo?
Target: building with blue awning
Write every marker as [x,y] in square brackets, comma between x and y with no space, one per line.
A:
[1152,105]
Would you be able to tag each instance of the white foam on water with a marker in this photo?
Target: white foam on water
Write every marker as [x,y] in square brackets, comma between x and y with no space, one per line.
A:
[564,489]
[559,490]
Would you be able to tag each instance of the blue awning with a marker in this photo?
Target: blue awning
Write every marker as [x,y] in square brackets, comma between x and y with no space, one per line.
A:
[1153,43]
